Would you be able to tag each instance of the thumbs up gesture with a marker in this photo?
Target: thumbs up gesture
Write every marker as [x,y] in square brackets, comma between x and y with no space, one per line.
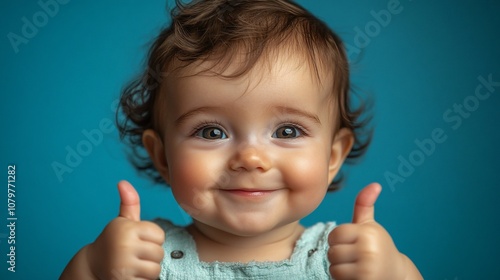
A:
[127,248]
[363,249]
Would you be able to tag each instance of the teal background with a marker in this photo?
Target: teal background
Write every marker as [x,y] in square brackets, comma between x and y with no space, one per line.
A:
[428,57]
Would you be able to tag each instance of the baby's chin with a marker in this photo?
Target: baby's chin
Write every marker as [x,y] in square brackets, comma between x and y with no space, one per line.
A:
[248,228]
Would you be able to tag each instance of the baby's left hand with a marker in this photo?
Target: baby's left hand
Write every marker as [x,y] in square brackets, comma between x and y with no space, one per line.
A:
[364,249]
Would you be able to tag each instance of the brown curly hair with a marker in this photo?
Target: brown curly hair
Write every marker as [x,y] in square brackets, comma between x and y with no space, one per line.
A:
[221,29]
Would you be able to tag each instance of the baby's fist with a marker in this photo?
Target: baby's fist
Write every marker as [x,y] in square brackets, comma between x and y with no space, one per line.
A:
[128,248]
[363,249]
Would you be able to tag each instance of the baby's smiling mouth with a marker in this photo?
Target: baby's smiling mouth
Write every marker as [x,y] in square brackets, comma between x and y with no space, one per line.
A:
[249,192]
[248,187]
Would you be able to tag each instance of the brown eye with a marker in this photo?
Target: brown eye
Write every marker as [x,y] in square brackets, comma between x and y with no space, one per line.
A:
[286,132]
[211,133]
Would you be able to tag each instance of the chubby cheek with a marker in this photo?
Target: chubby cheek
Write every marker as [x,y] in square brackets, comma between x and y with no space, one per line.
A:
[306,175]
[192,175]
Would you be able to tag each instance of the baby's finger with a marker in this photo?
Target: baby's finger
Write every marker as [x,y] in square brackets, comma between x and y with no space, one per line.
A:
[148,270]
[344,271]
[130,206]
[343,253]
[149,251]
[151,232]
[364,207]
[343,234]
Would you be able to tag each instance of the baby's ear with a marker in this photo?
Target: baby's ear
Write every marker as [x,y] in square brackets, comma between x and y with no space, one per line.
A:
[154,145]
[341,146]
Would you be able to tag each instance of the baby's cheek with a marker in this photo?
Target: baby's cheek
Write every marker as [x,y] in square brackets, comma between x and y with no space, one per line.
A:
[307,179]
[190,180]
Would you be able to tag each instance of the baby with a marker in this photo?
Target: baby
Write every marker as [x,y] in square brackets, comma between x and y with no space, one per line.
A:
[249,123]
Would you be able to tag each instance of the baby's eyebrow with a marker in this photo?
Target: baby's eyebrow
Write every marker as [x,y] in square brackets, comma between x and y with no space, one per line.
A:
[182,118]
[295,111]
[280,109]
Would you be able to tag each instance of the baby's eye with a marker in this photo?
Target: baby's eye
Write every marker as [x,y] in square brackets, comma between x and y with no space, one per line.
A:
[287,131]
[211,133]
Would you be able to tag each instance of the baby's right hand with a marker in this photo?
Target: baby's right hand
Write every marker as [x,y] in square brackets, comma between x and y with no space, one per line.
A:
[127,248]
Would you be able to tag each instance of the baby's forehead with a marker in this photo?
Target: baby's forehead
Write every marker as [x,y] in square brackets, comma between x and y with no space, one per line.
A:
[272,64]
[284,82]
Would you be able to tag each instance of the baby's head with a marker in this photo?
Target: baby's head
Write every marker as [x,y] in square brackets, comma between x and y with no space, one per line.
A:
[231,40]
[244,101]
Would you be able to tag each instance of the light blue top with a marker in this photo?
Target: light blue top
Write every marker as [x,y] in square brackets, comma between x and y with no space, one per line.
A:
[308,260]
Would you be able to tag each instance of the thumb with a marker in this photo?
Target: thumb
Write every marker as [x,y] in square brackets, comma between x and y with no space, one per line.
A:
[364,210]
[130,206]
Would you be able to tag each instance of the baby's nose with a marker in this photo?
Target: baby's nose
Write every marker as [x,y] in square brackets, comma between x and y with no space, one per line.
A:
[249,158]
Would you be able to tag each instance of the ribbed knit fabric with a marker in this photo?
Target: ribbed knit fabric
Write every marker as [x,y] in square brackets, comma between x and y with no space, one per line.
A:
[308,260]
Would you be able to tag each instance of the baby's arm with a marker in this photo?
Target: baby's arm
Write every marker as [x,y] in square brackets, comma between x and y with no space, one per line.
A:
[78,267]
[364,249]
[126,249]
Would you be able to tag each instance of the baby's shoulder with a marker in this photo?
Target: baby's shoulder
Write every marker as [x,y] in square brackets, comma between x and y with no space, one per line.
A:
[315,236]
[165,224]
[169,227]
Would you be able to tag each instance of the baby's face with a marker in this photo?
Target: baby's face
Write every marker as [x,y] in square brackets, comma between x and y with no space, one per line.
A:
[251,154]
